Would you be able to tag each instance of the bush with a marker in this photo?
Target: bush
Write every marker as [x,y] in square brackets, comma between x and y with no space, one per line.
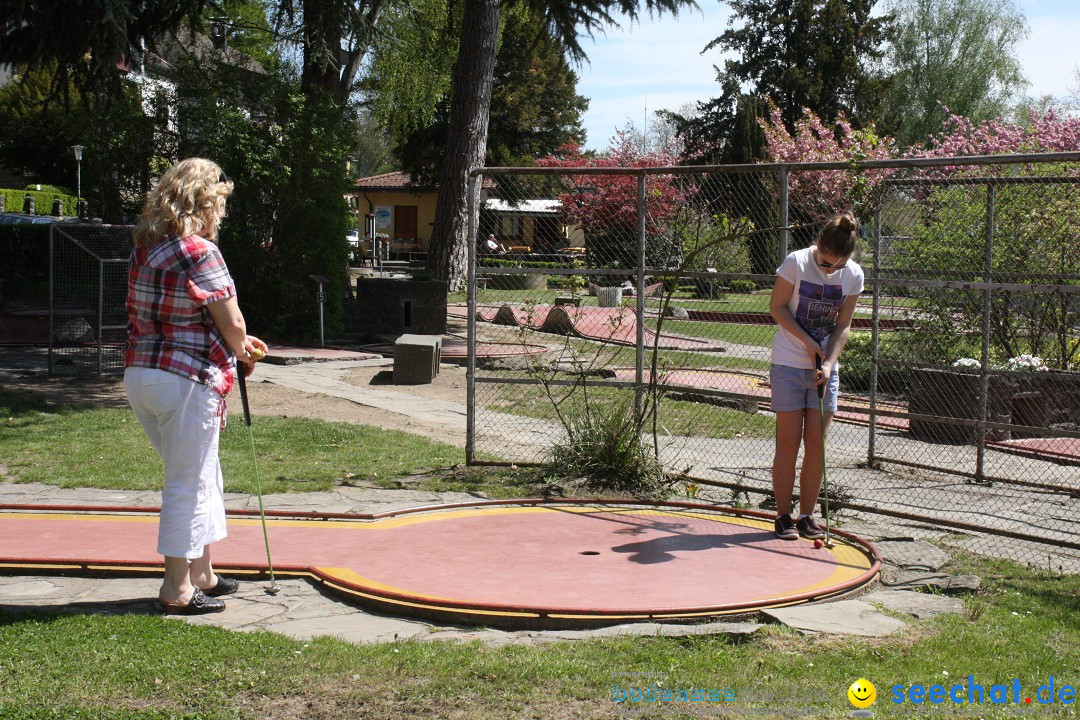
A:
[743,286]
[713,242]
[525,281]
[856,359]
[518,263]
[605,448]
[43,200]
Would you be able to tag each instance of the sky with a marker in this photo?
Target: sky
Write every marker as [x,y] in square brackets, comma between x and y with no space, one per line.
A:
[657,63]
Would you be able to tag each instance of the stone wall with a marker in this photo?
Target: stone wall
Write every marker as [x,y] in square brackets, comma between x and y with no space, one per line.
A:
[392,307]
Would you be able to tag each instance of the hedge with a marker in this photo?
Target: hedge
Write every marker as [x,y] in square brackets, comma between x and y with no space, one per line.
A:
[43,201]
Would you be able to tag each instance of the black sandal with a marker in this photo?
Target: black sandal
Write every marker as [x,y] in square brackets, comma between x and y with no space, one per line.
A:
[199,604]
[224,586]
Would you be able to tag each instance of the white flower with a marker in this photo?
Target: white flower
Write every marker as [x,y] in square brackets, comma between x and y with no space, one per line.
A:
[1027,362]
[967,363]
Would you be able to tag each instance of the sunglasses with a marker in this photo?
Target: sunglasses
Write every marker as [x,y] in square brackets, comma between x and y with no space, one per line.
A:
[223,178]
[838,265]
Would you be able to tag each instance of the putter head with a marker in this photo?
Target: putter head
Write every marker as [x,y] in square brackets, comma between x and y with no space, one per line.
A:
[272,589]
[829,543]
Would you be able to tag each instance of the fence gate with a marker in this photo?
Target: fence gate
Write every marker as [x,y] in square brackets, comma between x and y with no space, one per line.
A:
[601,292]
[88,267]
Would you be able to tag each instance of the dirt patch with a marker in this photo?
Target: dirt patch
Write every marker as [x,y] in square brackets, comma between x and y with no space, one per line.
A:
[78,391]
[450,384]
[269,399]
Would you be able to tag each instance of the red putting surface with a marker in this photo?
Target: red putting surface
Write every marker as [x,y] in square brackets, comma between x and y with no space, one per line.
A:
[521,565]
[456,348]
[292,354]
[616,325]
[1058,449]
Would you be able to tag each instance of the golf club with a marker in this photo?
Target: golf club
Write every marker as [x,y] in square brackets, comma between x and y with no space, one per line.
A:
[824,466]
[272,589]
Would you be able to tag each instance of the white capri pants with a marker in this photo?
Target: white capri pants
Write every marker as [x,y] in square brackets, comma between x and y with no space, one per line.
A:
[183,420]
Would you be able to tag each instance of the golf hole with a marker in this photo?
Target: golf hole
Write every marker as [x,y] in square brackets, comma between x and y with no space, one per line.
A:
[588,552]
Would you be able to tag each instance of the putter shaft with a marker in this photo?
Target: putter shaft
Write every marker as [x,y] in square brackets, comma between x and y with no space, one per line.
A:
[272,589]
[824,465]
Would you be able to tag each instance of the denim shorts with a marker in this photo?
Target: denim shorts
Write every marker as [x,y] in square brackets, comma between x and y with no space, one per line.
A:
[794,389]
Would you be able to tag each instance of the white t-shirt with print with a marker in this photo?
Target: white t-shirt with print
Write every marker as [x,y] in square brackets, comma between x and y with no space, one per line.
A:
[815,304]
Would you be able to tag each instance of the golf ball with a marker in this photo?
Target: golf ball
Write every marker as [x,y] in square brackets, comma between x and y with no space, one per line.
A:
[818,544]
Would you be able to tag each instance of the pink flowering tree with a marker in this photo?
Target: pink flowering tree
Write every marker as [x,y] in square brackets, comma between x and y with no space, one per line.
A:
[820,193]
[1035,232]
[1045,133]
[605,206]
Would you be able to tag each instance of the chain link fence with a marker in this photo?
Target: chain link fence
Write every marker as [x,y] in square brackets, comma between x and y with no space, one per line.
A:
[646,291]
[88,268]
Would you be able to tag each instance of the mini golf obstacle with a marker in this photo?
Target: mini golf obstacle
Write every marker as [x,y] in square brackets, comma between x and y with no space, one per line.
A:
[617,325]
[515,564]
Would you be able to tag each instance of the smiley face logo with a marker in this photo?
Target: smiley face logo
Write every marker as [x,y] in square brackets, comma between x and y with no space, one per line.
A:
[862,693]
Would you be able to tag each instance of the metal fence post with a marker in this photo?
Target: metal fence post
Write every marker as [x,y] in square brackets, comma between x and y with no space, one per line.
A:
[52,293]
[100,316]
[639,363]
[984,377]
[875,337]
[784,232]
[470,374]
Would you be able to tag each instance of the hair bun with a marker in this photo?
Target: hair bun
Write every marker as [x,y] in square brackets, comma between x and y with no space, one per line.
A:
[847,222]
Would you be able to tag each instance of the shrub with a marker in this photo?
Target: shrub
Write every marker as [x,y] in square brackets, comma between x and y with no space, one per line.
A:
[604,447]
[856,359]
[742,286]
[518,263]
[43,200]
[712,243]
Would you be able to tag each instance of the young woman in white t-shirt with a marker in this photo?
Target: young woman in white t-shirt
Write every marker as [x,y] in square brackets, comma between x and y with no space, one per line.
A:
[813,301]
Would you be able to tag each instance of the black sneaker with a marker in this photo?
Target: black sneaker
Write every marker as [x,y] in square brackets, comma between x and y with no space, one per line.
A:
[785,528]
[809,528]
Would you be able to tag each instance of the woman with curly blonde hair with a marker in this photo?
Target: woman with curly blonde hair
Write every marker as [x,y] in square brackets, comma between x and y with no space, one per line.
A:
[185,336]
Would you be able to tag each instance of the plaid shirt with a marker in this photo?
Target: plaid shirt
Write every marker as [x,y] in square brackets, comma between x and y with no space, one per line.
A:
[169,327]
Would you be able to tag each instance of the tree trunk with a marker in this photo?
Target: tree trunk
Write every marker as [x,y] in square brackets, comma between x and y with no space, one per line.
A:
[322,47]
[467,143]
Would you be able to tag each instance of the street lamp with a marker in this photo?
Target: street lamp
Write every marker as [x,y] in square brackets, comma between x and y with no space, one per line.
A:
[77,149]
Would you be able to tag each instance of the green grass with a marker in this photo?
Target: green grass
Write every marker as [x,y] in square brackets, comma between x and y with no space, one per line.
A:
[1023,625]
[677,417]
[759,335]
[756,302]
[134,667]
[106,447]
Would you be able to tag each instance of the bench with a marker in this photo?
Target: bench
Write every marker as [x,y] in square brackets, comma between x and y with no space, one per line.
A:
[416,359]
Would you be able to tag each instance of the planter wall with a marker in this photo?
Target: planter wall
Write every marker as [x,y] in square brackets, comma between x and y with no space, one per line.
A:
[1033,399]
[525,281]
[955,394]
[385,306]
[1045,398]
